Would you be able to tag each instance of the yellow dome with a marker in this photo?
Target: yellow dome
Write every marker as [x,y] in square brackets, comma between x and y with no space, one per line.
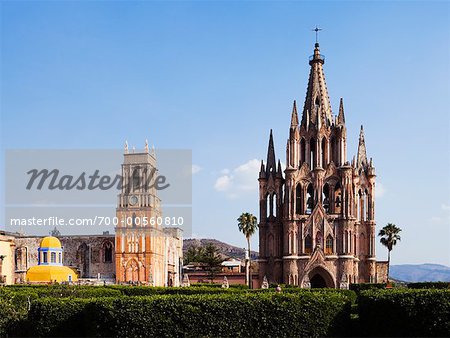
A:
[50,274]
[50,242]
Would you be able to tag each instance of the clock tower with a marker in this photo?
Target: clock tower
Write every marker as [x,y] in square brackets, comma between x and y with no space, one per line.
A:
[140,241]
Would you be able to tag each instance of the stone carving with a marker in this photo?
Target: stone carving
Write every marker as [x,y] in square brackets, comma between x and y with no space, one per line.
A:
[225,284]
[185,282]
[265,283]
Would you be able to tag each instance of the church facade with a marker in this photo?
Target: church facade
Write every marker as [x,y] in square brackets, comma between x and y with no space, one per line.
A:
[317,218]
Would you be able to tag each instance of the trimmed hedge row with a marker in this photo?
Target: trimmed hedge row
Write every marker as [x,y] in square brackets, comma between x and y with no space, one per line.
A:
[61,291]
[211,311]
[405,312]
[358,287]
[224,315]
[429,285]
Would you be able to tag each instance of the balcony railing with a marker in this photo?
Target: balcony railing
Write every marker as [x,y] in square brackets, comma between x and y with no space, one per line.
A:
[321,57]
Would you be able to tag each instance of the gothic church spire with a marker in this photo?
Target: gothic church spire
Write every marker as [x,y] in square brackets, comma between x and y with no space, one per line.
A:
[361,159]
[341,116]
[271,165]
[317,101]
[294,117]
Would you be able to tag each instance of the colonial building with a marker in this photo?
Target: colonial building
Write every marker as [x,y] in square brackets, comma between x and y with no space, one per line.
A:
[91,256]
[317,218]
[145,251]
[141,250]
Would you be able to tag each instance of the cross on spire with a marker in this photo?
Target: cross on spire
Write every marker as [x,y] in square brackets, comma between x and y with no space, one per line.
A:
[317,30]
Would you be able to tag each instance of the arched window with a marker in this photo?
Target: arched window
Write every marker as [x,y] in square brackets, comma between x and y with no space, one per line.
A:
[329,245]
[302,151]
[136,179]
[267,205]
[326,197]
[337,198]
[309,199]
[145,183]
[298,199]
[308,244]
[359,206]
[366,205]
[44,257]
[60,258]
[53,257]
[333,149]
[324,152]
[107,249]
[312,153]
[274,205]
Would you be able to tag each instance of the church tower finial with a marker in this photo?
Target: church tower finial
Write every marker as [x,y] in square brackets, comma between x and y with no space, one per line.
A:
[341,116]
[317,101]
[271,165]
[294,117]
[361,160]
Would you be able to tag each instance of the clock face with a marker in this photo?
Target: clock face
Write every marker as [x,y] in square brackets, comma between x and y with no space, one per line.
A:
[133,200]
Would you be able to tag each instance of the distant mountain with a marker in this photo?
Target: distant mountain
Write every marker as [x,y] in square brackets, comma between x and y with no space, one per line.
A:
[420,272]
[226,250]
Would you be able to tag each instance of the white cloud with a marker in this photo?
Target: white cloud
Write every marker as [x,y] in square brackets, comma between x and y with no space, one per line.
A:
[380,190]
[240,180]
[445,207]
[435,219]
[196,169]
[223,183]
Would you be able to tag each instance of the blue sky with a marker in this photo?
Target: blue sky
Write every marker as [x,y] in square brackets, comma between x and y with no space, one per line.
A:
[215,77]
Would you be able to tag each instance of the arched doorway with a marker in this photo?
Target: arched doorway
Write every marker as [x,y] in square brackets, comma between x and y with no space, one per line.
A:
[321,278]
[132,271]
[318,282]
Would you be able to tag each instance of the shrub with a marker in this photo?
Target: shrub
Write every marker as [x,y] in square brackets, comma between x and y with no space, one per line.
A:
[230,314]
[59,291]
[405,312]
[429,285]
[71,317]
[358,287]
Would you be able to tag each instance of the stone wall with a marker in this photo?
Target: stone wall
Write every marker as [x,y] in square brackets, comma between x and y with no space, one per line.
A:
[381,273]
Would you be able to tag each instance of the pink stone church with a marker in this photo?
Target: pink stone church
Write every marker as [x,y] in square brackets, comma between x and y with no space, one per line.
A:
[317,217]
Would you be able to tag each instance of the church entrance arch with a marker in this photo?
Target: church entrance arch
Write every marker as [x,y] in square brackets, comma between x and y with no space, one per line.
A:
[321,278]
[132,271]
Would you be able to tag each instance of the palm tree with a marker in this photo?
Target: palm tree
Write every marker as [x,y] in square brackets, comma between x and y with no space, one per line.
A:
[247,224]
[390,234]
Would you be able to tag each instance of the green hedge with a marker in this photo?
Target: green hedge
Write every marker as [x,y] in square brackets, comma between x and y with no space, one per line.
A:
[405,312]
[60,291]
[429,285]
[213,311]
[224,315]
[358,287]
